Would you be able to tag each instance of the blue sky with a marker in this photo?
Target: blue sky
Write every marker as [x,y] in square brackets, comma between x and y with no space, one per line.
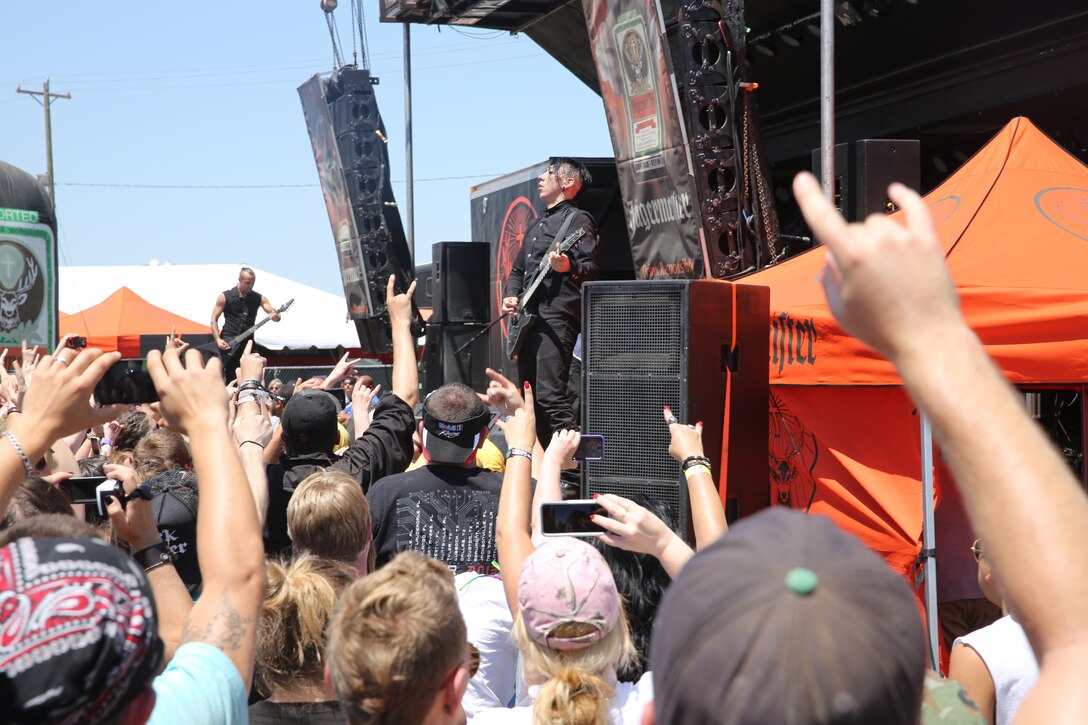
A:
[202,94]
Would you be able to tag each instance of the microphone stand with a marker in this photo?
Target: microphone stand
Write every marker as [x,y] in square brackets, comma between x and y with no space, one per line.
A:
[478,335]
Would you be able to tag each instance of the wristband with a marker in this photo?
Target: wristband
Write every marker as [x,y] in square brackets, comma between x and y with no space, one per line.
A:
[106,442]
[256,443]
[154,556]
[695,461]
[519,452]
[697,469]
[19,449]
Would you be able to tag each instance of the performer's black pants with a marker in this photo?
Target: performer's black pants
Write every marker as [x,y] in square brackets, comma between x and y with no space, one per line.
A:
[230,362]
[544,361]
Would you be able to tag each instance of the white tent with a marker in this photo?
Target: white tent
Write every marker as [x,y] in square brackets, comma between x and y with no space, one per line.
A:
[318,319]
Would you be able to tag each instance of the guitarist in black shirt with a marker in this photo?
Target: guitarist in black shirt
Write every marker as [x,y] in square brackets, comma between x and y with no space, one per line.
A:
[545,357]
[238,306]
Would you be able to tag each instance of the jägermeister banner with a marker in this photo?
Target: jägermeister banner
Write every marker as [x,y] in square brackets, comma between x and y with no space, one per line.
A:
[659,196]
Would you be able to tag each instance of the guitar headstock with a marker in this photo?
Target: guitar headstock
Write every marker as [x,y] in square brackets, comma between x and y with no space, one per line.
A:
[285,306]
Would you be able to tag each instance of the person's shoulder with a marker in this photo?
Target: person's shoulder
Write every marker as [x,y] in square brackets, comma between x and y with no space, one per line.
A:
[200,684]
[395,481]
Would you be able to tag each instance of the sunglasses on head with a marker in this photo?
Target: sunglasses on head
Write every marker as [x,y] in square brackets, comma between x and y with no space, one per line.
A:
[976,549]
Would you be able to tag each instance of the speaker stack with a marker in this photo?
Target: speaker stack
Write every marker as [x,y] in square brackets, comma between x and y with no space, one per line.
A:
[647,344]
[457,348]
[361,145]
[865,168]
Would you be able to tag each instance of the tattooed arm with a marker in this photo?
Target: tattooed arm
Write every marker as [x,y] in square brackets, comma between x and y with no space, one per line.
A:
[228,536]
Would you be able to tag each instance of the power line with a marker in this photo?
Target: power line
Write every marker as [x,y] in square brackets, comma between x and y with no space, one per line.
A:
[250,186]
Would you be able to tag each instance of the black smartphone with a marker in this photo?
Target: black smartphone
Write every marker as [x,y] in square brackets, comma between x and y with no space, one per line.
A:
[571,518]
[590,448]
[126,382]
[76,343]
[340,394]
[83,489]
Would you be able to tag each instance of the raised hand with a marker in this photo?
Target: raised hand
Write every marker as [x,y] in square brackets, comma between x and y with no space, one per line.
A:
[561,450]
[399,306]
[886,283]
[520,428]
[502,393]
[685,440]
[192,396]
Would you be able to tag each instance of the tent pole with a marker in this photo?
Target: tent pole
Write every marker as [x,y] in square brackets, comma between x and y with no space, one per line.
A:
[928,542]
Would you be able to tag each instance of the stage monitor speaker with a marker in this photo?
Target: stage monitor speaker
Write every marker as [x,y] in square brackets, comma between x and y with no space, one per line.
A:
[158,342]
[647,344]
[461,275]
[444,364]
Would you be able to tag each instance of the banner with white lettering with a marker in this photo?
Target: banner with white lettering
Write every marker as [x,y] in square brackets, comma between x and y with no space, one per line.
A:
[648,137]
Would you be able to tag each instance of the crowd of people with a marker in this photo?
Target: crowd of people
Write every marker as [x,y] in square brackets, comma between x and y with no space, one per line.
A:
[275,562]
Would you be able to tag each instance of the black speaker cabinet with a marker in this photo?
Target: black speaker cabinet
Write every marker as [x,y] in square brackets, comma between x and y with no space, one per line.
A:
[461,274]
[158,342]
[444,364]
[865,168]
[679,343]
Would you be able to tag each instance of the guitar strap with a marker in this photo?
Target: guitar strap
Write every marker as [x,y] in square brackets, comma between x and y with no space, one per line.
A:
[543,264]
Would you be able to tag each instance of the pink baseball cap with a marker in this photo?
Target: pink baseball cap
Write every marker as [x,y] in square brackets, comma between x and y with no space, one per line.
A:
[565,580]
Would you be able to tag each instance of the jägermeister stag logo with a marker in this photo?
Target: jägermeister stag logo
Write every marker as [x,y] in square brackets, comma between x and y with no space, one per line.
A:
[22,288]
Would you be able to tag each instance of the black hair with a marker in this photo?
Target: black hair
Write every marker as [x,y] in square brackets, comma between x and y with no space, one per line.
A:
[134,426]
[566,166]
[641,582]
[35,497]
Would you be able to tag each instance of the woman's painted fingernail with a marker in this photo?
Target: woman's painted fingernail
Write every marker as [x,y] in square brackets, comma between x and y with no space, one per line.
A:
[596,495]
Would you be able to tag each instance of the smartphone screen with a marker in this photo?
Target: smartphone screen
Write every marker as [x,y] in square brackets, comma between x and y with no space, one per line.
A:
[570,518]
[126,382]
[590,448]
[83,489]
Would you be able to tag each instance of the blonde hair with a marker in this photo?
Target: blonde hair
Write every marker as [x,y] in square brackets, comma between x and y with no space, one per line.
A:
[394,638]
[299,599]
[578,683]
[328,515]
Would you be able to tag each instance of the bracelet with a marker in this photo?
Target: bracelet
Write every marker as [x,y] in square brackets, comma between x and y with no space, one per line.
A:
[106,442]
[251,398]
[694,461]
[519,452]
[256,443]
[697,469]
[154,556]
[19,449]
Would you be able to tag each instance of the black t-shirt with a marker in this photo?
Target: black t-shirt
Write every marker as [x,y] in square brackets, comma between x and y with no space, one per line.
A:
[239,313]
[286,713]
[445,512]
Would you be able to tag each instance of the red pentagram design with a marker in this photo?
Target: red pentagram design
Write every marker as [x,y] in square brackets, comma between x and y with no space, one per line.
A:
[520,215]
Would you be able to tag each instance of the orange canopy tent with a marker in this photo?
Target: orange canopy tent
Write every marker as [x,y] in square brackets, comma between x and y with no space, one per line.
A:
[117,322]
[844,436]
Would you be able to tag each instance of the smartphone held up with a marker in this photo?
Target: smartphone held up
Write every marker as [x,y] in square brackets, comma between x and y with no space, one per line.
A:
[571,518]
[126,382]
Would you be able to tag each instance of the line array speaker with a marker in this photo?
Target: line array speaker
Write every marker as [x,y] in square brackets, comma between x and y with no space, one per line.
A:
[652,343]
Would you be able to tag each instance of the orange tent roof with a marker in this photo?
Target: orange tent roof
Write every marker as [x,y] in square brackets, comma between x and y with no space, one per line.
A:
[1014,222]
[117,322]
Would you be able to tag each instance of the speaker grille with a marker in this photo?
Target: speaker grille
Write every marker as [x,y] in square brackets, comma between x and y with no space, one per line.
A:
[634,364]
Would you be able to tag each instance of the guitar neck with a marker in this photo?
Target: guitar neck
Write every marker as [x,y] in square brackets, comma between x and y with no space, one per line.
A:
[544,268]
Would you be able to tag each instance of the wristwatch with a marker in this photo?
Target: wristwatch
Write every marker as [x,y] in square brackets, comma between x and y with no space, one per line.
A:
[154,556]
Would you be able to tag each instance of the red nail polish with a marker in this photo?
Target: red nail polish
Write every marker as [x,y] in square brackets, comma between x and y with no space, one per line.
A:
[526,384]
[699,423]
[668,408]
[596,495]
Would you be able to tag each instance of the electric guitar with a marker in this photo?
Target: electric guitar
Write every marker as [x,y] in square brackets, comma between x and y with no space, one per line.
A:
[240,339]
[522,321]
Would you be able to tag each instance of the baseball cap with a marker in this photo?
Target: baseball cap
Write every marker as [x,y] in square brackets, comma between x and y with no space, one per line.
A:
[80,627]
[798,622]
[566,581]
[309,421]
[452,441]
[174,509]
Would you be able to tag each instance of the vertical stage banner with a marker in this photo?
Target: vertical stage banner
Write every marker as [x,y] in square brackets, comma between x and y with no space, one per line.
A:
[641,104]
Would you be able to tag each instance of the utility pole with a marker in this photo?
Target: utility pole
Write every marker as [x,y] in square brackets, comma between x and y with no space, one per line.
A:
[46,100]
